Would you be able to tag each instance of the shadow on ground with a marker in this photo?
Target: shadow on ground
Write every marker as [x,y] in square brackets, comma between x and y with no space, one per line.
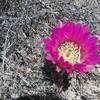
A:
[61,79]
[37,97]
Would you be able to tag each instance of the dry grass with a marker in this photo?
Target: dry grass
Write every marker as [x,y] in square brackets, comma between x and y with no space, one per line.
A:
[22,24]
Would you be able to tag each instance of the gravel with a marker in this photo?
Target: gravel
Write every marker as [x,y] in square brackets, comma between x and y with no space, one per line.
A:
[23,68]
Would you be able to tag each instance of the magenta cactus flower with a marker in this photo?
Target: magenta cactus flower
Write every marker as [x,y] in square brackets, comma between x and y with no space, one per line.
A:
[72,47]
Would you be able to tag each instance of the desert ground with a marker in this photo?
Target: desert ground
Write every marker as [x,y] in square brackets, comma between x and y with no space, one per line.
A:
[25,74]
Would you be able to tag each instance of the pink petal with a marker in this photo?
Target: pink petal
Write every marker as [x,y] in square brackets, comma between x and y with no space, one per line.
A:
[46,40]
[58,69]
[92,59]
[97,47]
[81,33]
[83,68]
[69,29]
[50,58]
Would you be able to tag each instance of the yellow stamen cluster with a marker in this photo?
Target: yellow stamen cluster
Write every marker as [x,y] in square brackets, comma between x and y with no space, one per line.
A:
[70,52]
